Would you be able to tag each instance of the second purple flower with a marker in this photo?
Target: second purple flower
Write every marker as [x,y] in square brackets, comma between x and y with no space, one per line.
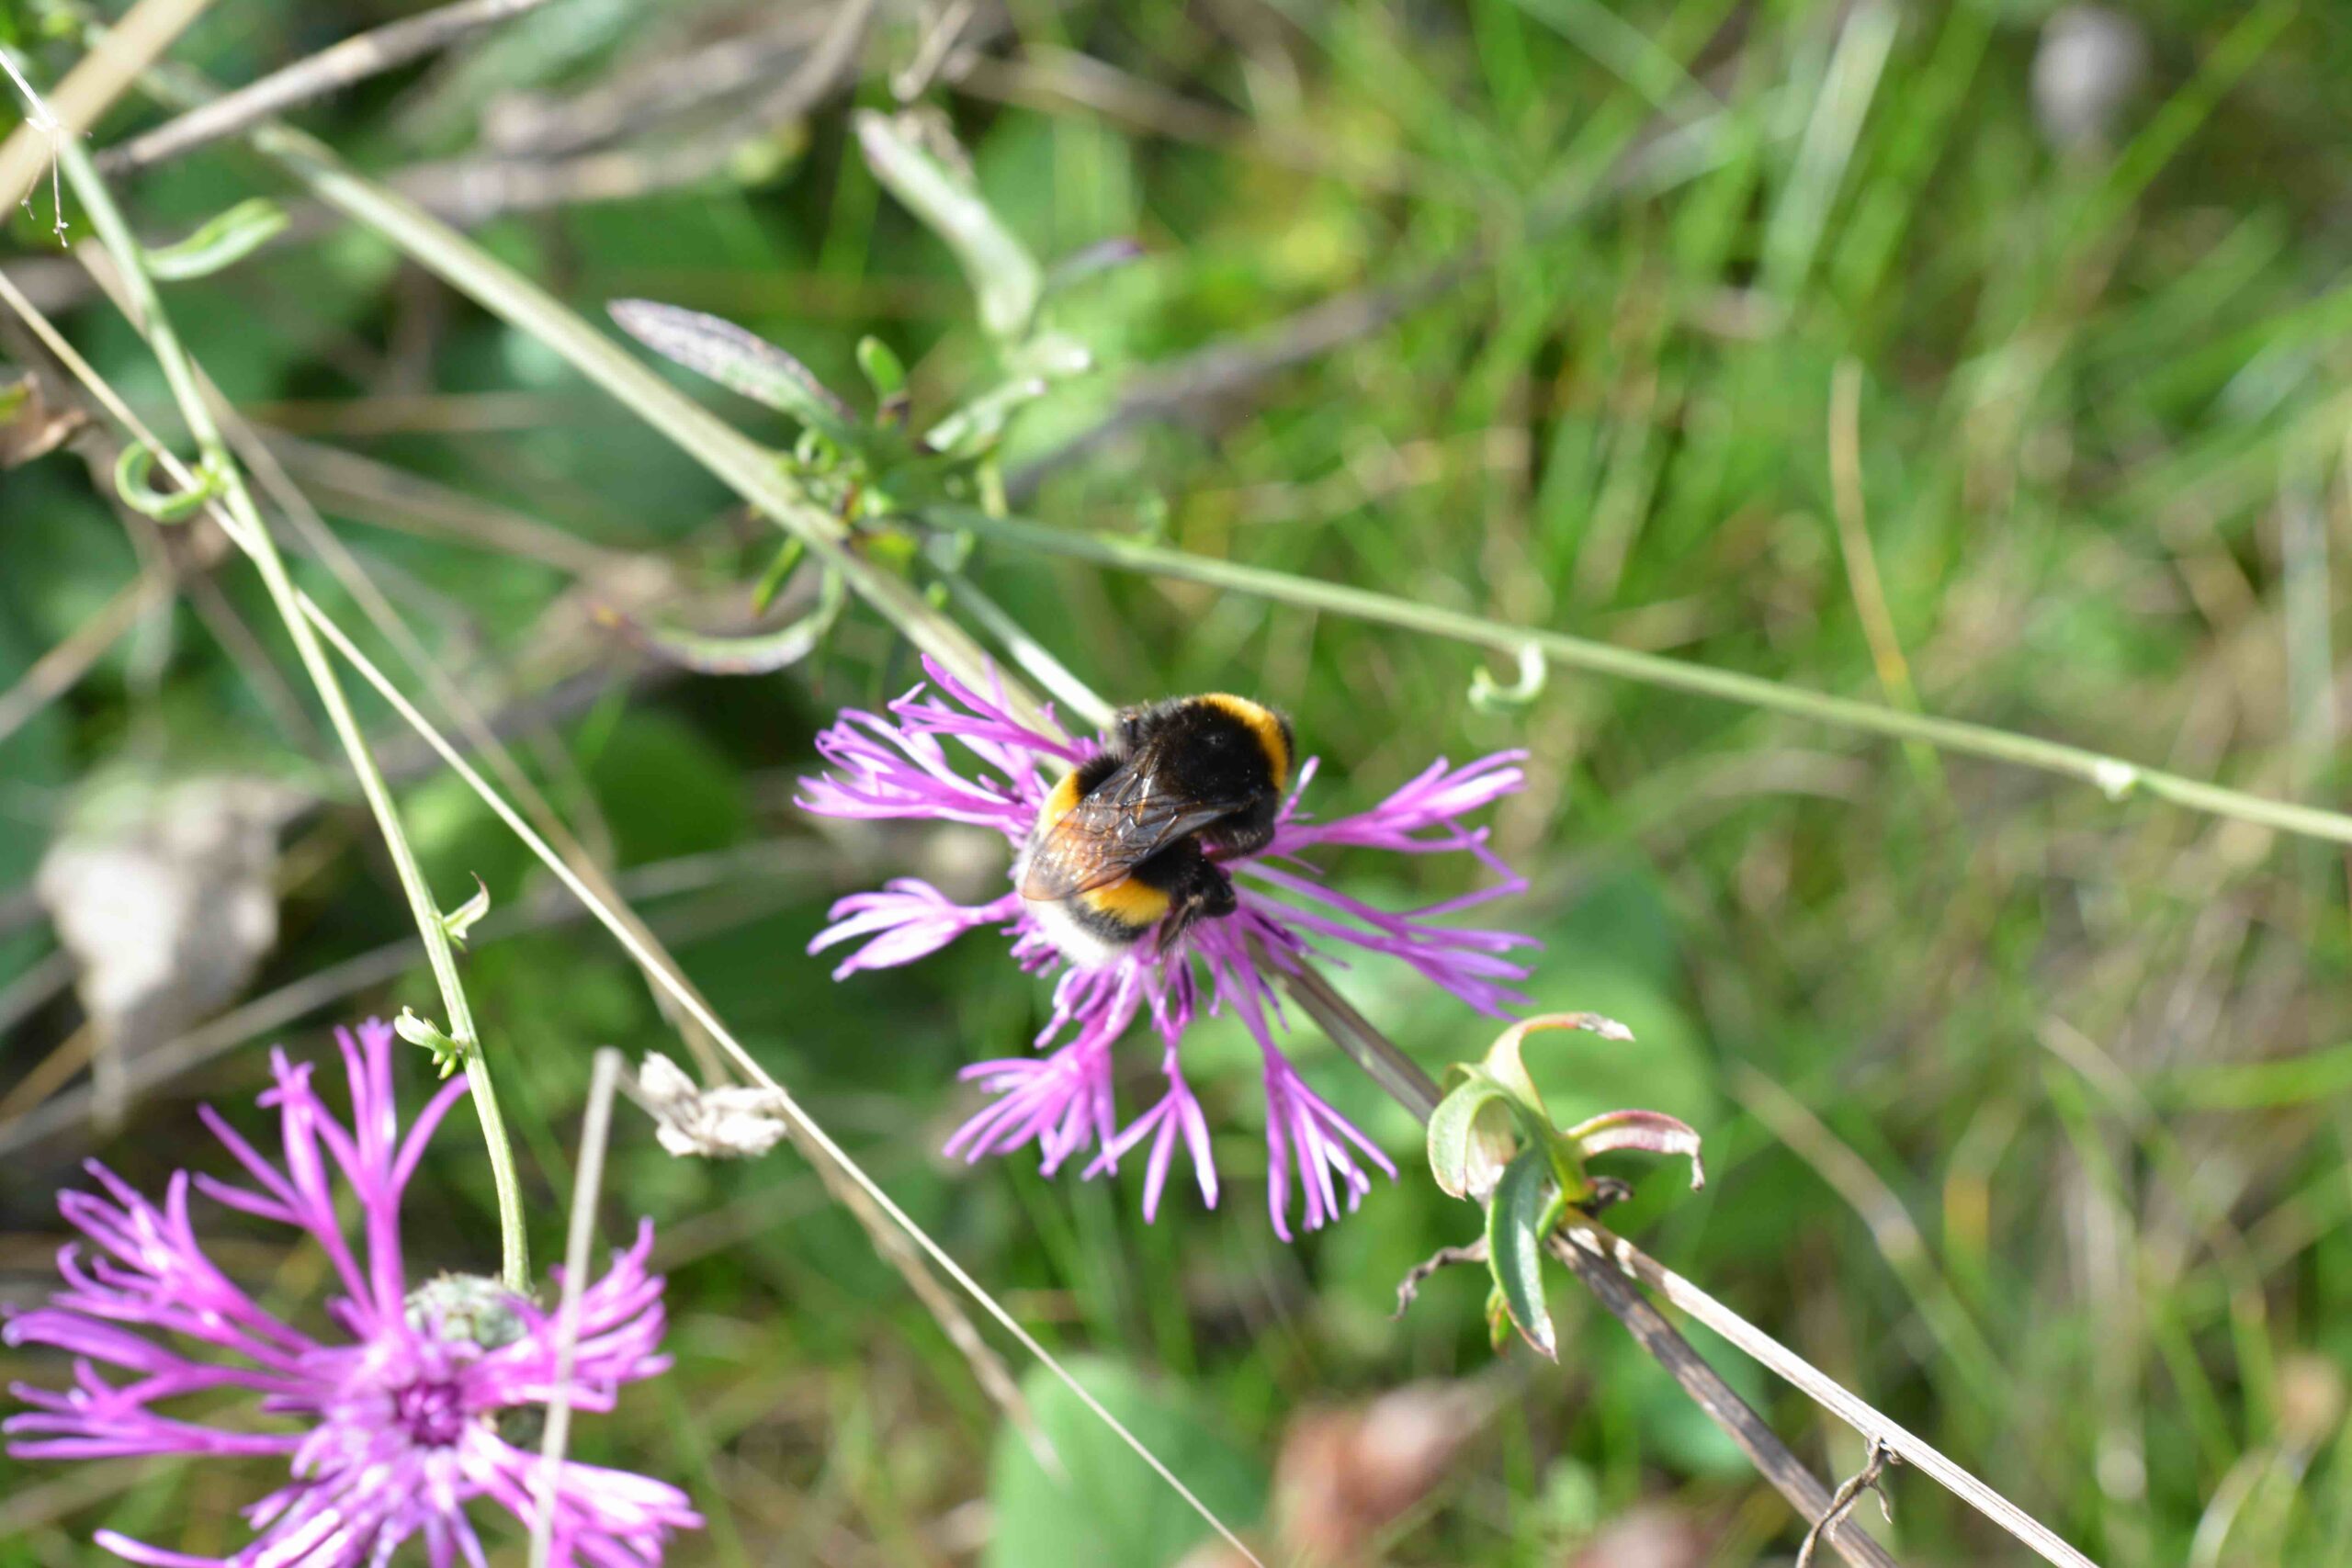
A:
[897,765]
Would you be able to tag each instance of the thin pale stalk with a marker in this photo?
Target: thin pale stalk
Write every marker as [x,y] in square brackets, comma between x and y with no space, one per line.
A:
[1601,1241]
[587,1182]
[1061,681]
[2114,776]
[237,501]
[386,619]
[331,70]
[104,74]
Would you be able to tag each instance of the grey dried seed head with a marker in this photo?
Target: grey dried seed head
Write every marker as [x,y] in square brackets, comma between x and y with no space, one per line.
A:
[710,1123]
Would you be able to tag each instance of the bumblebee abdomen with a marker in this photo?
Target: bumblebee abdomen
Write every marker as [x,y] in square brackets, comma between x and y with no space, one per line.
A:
[1129,902]
[1102,924]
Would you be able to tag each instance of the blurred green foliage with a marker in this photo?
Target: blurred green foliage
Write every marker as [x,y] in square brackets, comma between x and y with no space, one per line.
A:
[2032,1204]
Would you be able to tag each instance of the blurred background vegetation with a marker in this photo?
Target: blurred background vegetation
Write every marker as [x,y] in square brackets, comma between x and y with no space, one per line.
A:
[1970,356]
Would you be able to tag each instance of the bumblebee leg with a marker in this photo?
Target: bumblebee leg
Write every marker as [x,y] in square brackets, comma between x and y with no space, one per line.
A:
[1245,832]
[1202,892]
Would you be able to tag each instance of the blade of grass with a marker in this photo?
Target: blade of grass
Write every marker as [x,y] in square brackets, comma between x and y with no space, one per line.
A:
[587,1182]
[237,503]
[1861,561]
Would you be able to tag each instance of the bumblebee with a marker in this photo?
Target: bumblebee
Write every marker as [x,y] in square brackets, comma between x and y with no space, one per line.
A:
[1129,841]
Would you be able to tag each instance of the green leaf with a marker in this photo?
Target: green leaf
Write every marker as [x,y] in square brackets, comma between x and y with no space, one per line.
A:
[1111,1512]
[1515,1246]
[1467,1150]
[760,653]
[741,362]
[1004,277]
[460,920]
[447,1054]
[1504,1061]
[977,427]
[1651,1131]
[220,242]
[883,371]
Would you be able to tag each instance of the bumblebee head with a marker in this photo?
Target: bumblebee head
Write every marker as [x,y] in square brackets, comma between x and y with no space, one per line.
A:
[1245,746]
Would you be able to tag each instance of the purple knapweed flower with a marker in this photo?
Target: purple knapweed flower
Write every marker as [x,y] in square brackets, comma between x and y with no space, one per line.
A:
[389,1427]
[897,766]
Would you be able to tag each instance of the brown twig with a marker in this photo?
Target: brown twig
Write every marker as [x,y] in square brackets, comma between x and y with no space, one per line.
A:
[468,190]
[622,106]
[331,70]
[1739,1421]
[1412,1088]
[1606,1246]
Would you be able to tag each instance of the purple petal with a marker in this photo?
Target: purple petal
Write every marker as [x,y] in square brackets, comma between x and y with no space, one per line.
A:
[909,920]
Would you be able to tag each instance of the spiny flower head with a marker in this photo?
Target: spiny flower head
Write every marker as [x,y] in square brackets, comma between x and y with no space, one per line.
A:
[897,765]
[389,1426]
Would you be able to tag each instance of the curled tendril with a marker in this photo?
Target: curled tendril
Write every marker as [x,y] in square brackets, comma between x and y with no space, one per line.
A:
[131,471]
[761,653]
[1489,696]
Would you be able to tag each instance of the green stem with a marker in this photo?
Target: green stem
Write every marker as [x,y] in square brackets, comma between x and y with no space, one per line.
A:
[188,395]
[749,469]
[2114,776]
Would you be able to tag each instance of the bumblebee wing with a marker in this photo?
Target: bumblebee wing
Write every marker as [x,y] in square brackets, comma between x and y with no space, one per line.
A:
[1124,821]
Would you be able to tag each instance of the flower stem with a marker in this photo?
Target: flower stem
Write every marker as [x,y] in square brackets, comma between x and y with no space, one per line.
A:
[2112,776]
[179,372]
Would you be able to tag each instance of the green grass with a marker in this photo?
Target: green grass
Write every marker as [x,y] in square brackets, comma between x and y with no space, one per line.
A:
[2092,1049]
